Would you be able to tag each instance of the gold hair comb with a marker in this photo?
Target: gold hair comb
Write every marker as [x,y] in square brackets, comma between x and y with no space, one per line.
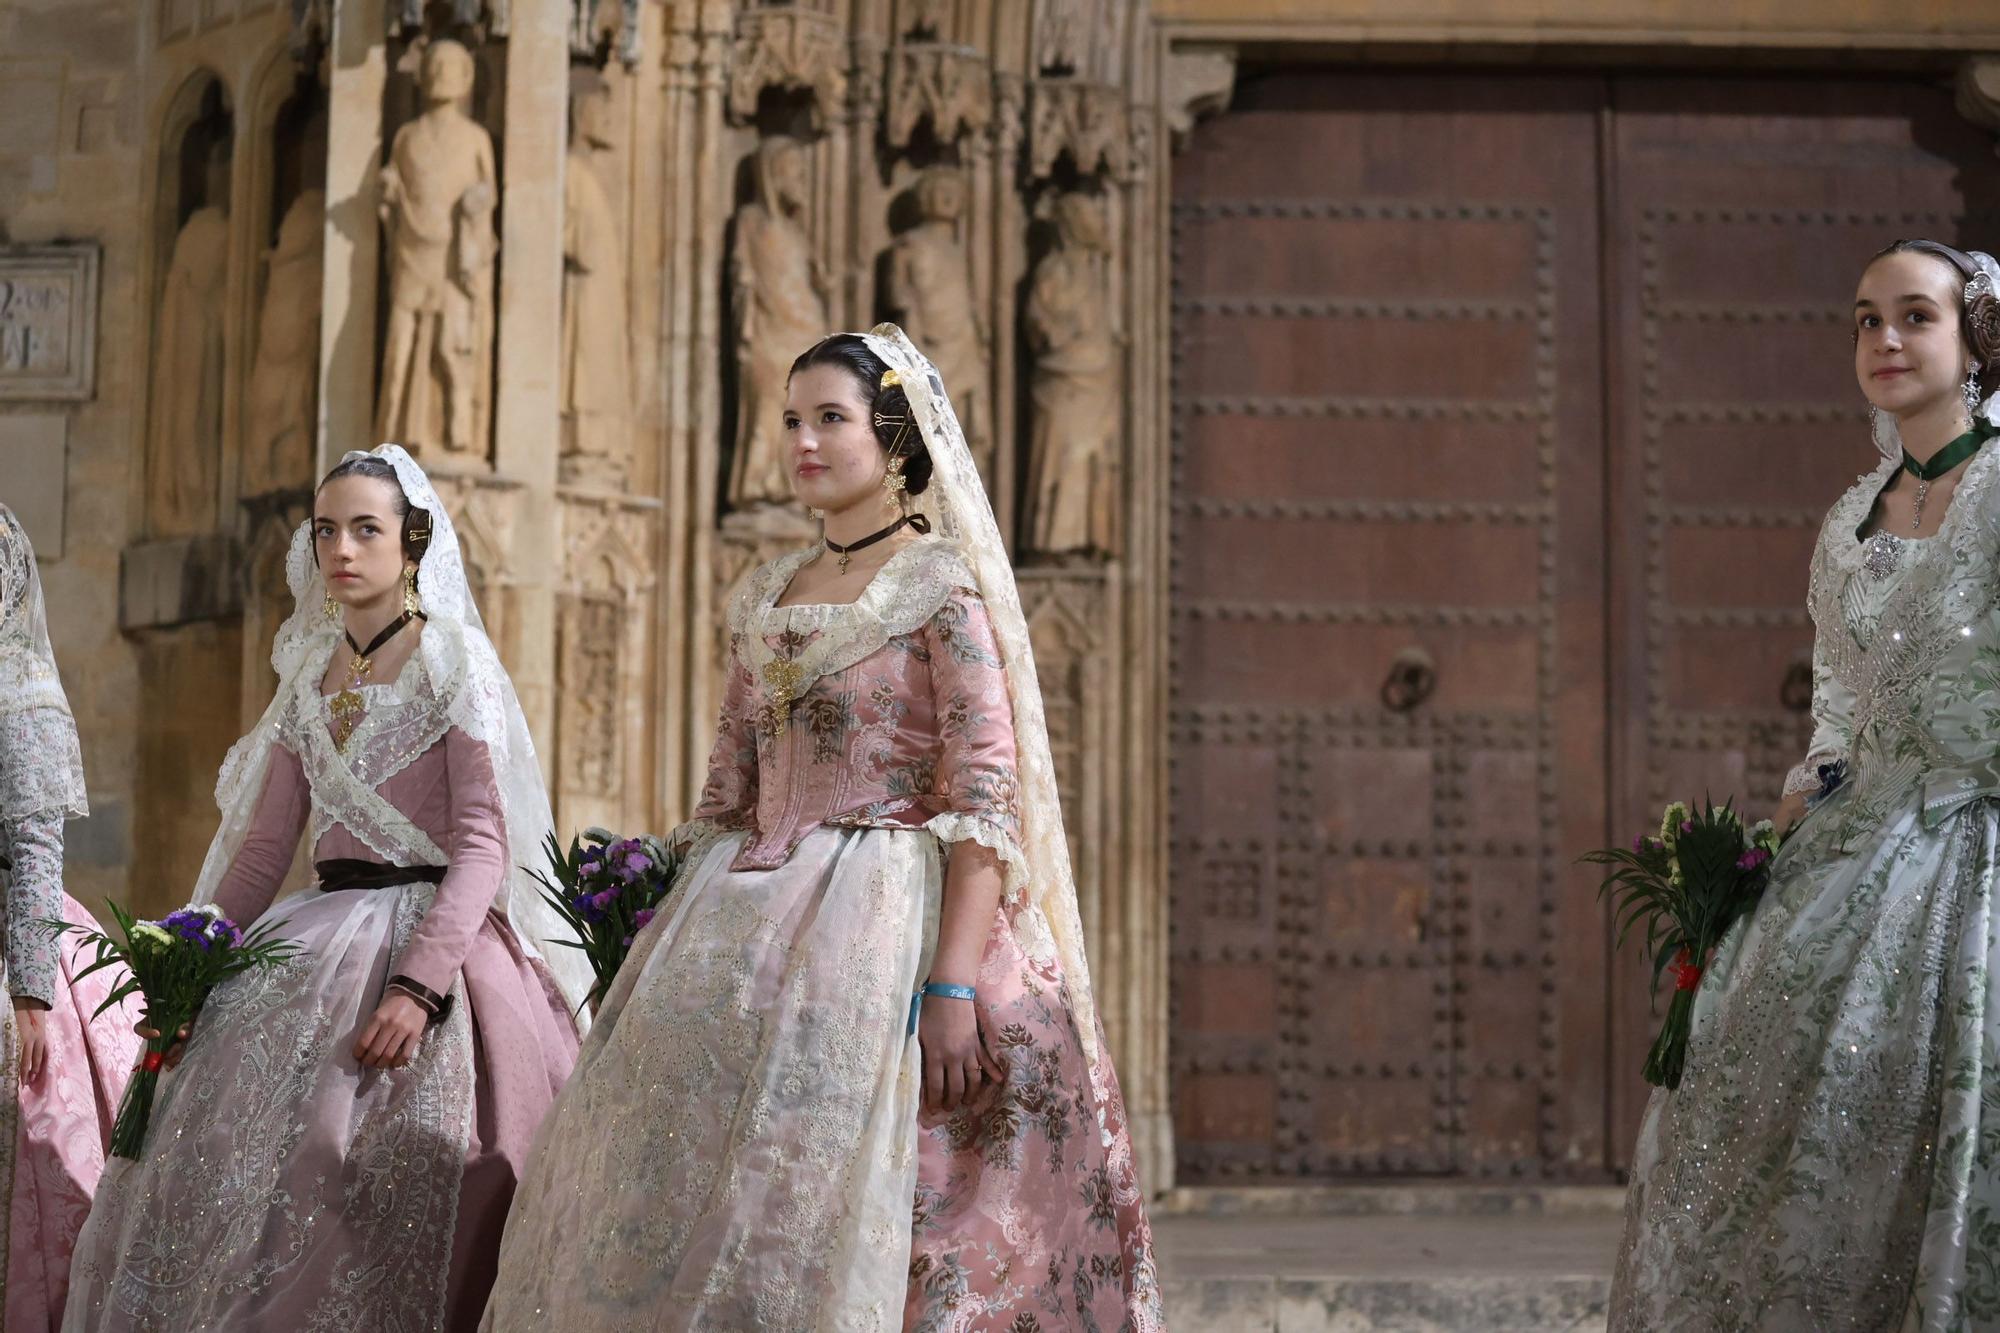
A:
[890,379]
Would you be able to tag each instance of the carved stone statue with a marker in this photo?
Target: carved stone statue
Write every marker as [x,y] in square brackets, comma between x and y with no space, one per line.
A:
[438,194]
[596,365]
[284,380]
[1073,451]
[184,435]
[930,289]
[780,303]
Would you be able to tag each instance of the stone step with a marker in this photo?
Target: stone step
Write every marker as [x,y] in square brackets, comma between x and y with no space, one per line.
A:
[1409,1258]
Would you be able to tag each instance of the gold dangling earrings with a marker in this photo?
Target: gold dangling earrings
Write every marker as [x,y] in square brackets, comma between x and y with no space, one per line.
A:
[896,485]
[331,608]
[411,606]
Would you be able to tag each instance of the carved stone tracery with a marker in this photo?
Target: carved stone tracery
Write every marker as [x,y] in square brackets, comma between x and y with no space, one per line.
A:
[949,86]
[792,49]
[1086,122]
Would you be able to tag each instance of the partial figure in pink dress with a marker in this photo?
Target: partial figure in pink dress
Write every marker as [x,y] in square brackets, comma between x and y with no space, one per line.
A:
[338,1143]
[63,1070]
[852,1077]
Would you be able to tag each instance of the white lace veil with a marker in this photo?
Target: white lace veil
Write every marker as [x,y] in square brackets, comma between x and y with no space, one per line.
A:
[466,687]
[1890,440]
[41,765]
[955,503]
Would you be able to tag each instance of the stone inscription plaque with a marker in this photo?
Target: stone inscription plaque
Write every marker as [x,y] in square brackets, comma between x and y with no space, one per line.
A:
[48,322]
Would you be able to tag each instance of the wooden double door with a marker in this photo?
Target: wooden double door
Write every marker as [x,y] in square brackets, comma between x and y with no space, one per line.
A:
[1506,409]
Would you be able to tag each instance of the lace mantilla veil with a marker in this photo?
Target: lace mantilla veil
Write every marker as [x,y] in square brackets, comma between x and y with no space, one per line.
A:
[462,684]
[1890,440]
[956,504]
[41,764]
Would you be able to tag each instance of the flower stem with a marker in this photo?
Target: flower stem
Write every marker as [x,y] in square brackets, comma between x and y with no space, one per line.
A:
[1669,1054]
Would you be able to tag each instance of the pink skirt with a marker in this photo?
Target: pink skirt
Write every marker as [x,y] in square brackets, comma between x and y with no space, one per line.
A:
[63,1128]
[1029,1213]
[304,1191]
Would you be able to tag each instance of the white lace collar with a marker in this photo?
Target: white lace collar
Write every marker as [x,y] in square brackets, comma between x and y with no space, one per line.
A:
[1850,551]
[820,638]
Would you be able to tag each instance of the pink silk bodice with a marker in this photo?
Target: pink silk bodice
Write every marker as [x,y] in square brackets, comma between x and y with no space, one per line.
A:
[448,791]
[897,715]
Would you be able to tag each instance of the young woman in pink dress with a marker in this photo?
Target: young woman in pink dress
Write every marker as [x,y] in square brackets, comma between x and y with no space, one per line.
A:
[63,1070]
[852,1076]
[338,1143]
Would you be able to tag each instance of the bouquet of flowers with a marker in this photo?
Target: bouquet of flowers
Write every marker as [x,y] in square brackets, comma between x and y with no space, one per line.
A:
[607,888]
[172,964]
[1686,888]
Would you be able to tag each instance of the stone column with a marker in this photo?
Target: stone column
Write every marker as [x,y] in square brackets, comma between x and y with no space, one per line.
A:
[359,64]
[527,425]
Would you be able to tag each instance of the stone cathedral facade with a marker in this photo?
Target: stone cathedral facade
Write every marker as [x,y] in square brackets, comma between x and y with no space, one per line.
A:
[564,250]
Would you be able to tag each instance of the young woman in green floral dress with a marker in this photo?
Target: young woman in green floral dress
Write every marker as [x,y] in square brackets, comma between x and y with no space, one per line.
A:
[1831,1159]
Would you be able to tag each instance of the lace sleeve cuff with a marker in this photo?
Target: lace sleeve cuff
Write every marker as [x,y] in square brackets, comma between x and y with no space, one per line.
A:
[1806,777]
[953,826]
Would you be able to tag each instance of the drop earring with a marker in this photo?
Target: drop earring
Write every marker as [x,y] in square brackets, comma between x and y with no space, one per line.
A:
[896,486]
[411,606]
[331,608]
[1971,388]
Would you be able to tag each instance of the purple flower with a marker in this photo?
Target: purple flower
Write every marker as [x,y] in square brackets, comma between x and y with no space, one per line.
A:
[589,866]
[642,918]
[636,864]
[1687,826]
[602,901]
[1753,858]
[628,941]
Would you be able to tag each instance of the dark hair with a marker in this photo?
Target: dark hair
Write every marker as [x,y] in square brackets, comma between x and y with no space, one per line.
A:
[1979,319]
[888,409]
[416,522]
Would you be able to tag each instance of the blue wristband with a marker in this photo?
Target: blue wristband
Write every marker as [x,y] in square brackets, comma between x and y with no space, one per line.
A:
[944,990]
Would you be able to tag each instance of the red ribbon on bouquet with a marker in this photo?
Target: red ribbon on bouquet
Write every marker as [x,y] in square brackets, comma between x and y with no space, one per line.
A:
[1687,973]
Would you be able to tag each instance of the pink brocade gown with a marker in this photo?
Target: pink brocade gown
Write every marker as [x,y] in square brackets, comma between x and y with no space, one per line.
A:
[63,1129]
[295,1189]
[741,1146]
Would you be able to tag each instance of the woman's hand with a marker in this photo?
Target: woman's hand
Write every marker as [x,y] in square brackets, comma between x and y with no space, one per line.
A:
[958,1066]
[1789,812]
[32,1033]
[173,1052]
[390,1038]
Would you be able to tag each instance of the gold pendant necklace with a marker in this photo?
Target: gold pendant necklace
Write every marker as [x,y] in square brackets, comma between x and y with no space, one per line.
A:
[348,707]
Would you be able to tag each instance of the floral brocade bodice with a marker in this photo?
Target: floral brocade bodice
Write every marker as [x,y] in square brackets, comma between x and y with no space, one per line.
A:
[887,712]
[1906,654]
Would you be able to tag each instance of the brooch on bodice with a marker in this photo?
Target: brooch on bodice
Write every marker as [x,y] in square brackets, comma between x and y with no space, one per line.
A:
[1882,553]
[782,682]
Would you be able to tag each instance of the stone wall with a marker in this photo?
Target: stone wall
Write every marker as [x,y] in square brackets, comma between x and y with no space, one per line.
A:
[73,111]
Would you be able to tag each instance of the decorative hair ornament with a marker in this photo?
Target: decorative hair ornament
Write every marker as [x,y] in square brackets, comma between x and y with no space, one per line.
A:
[890,379]
[416,533]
